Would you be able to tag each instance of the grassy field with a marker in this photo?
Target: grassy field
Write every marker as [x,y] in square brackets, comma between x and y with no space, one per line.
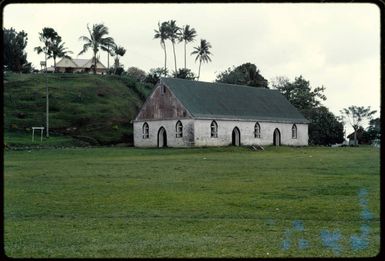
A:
[204,202]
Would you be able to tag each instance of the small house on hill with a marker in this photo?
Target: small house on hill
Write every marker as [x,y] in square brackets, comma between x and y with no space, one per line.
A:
[69,65]
[184,113]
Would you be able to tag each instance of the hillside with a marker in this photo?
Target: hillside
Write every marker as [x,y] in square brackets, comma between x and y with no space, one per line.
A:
[96,109]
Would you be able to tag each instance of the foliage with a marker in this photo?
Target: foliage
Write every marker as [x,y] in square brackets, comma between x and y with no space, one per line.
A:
[173,34]
[136,74]
[374,129]
[202,53]
[47,37]
[195,202]
[324,128]
[299,92]
[245,74]
[355,116]
[184,74]
[162,35]
[119,51]
[96,40]
[14,44]
[58,50]
[155,74]
[187,35]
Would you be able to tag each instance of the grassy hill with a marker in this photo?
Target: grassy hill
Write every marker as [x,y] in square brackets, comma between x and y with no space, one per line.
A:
[96,109]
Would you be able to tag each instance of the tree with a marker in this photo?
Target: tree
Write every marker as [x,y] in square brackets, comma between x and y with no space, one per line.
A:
[173,33]
[245,74]
[324,127]
[299,92]
[97,40]
[155,74]
[203,54]
[355,116]
[118,50]
[47,38]
[188,35]
[162,34]
[136,73]
[15,57]
[58,50]
[184,74]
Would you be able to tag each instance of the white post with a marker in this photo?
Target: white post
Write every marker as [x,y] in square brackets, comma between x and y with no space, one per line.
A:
[33,134]
[41,134]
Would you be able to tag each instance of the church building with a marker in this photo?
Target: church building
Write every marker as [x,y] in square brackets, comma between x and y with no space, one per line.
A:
[185,113]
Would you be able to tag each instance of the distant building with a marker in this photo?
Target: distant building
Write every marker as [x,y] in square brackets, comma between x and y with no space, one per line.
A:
[69,65]
[184,113]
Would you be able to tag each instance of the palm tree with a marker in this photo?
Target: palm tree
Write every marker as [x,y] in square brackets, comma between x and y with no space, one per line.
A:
[161,34]
[97,39]
[173,33]
[119,50]
[47,37]
[58,50]
[187,36]
[203,54]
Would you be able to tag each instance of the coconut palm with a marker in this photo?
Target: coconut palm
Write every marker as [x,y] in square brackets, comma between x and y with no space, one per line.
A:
[97,40]
[58,50]
[46,37]
[173,33]
[187,36]
[161,34]
[119,50]
[203,54]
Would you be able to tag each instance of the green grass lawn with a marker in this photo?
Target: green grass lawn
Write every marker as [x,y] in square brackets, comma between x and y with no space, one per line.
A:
[204,202]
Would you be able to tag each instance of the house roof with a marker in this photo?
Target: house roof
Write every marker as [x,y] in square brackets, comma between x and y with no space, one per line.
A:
[81,62]
[229,101]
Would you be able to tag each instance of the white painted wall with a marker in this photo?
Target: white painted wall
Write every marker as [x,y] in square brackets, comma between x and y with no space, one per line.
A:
[202,133]
[198,133]
[169,125]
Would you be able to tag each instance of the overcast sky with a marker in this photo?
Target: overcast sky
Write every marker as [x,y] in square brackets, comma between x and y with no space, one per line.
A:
[335,45]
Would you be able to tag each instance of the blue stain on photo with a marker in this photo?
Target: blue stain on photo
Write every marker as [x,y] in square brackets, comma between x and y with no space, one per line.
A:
[359,242]
[365,229]
[286,241]
[363,202]
[362,192]
[298,225]
[330,240]
[366,214]
[270,222]
[303,243]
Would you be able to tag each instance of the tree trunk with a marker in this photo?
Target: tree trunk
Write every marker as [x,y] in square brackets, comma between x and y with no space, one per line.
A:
[94,62]
[108,59]
[173,48]
[355,137]
[199,71]
[185,54]
[165,56]
[54,64]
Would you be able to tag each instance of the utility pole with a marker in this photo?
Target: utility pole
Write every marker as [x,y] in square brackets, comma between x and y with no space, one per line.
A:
[47,98]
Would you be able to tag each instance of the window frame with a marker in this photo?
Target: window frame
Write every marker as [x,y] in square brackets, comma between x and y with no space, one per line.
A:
[257,134]
[145,131]
[214,129]
[294,132]
[179,129]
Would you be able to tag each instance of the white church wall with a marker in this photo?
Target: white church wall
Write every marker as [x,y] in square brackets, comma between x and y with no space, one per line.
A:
[170,127]
[203,137]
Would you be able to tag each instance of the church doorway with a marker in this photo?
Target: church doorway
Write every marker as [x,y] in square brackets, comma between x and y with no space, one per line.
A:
[162,138]
[277,138]
[236,137]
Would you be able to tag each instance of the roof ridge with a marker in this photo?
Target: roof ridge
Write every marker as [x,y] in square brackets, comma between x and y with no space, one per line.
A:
[216,83]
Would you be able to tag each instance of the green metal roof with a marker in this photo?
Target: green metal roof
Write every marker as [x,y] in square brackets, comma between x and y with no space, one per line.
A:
[229,101]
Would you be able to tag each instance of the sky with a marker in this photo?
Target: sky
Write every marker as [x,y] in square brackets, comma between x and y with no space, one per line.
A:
[336,45]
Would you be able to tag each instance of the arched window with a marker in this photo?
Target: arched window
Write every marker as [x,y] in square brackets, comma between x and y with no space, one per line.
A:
[214,129]
[145,131]
[179,129]
[294,132]
[257,130]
